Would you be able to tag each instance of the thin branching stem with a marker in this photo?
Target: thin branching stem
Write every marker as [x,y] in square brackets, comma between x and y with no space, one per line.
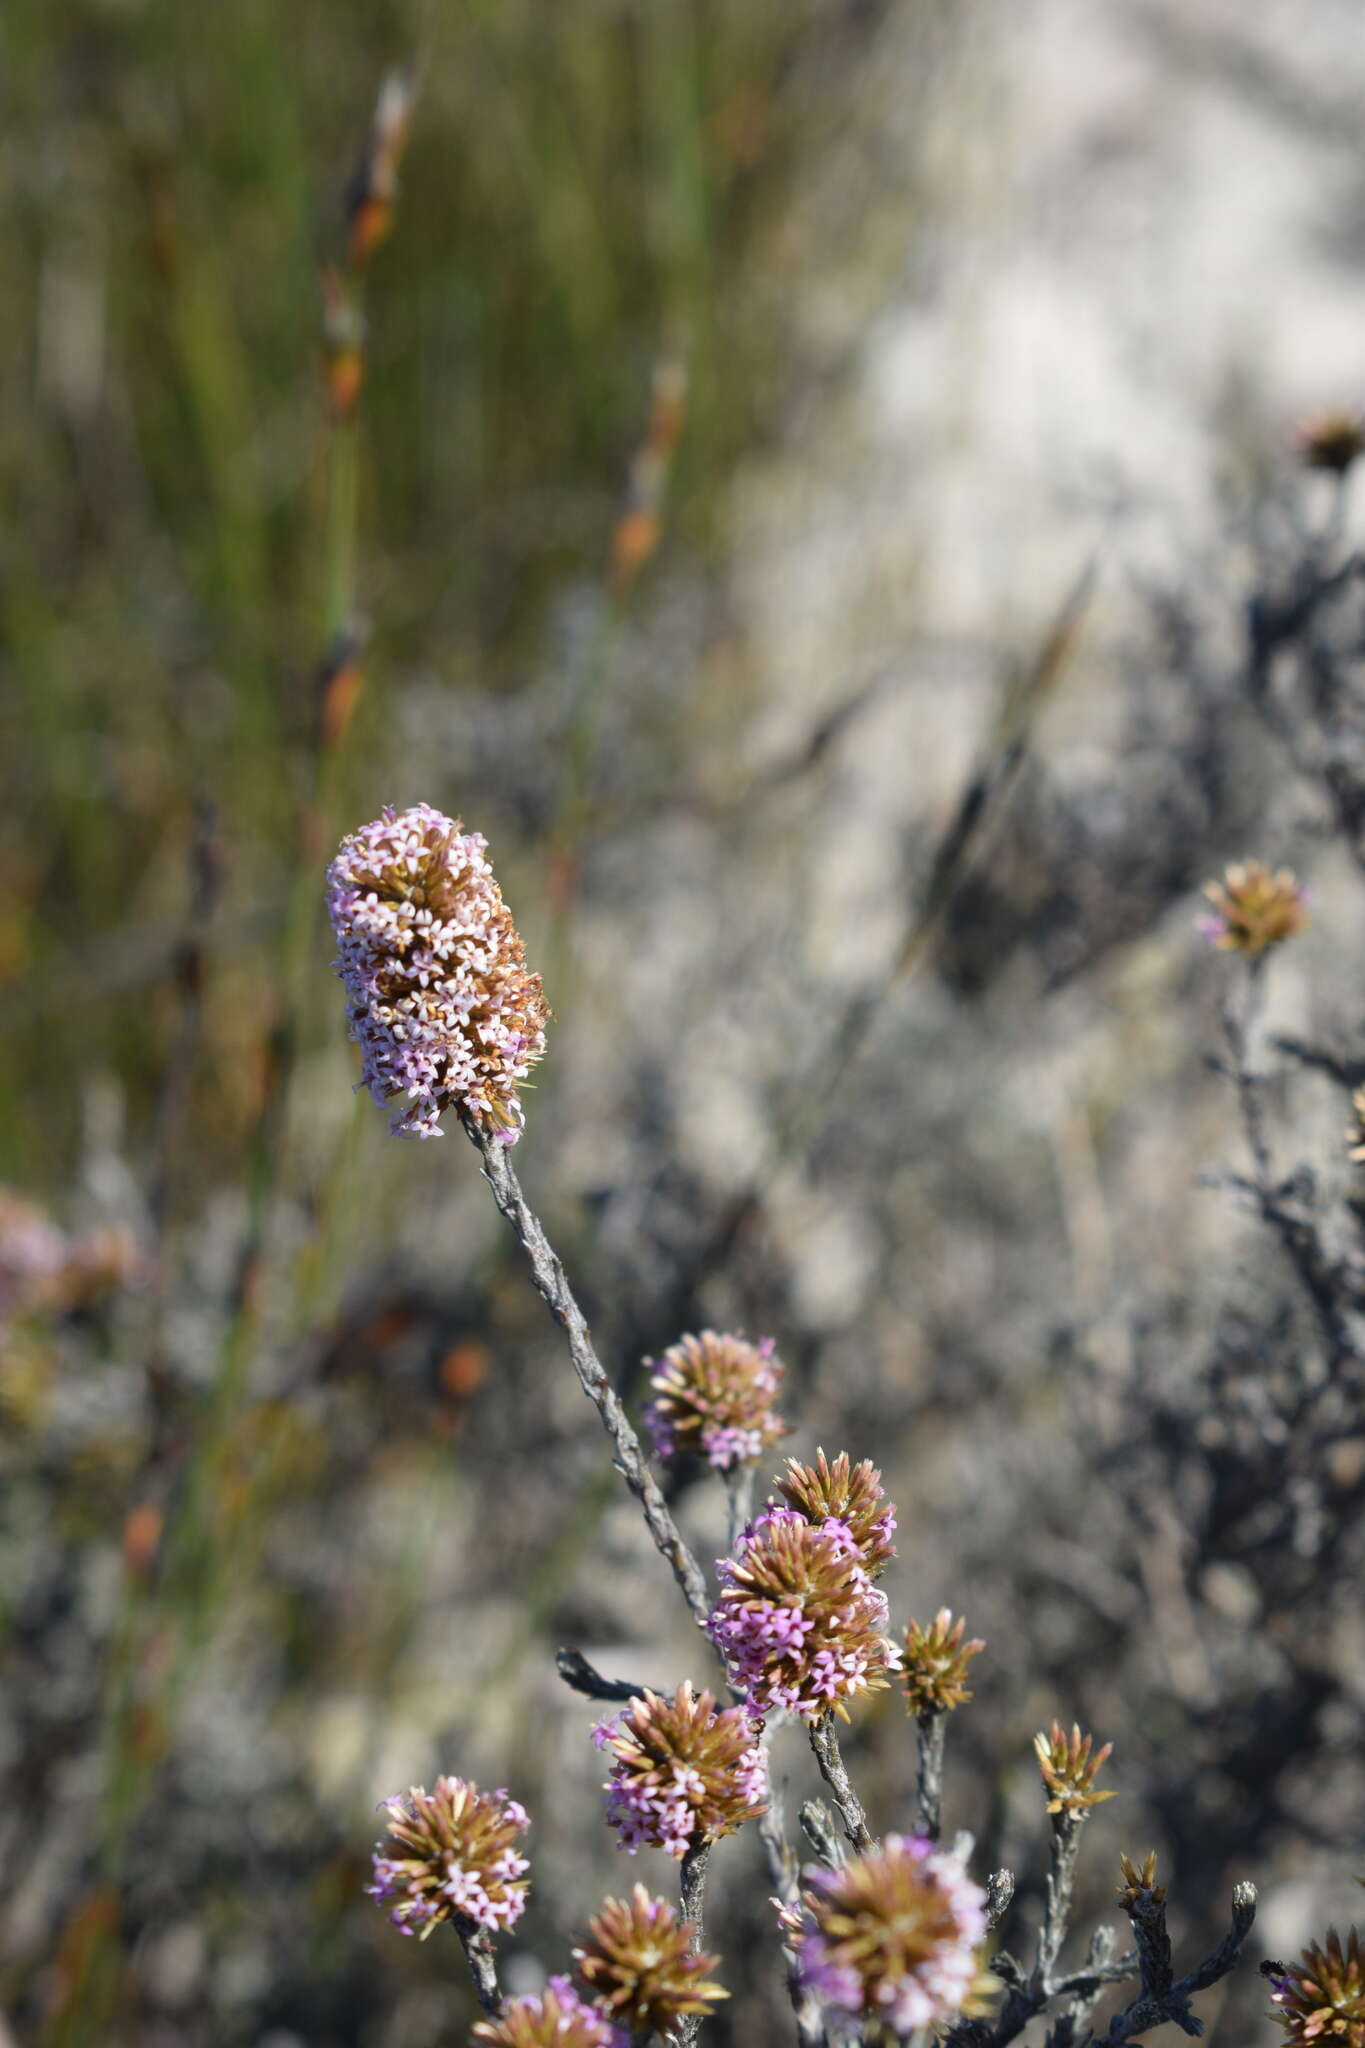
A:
[478,1947]
[553,1286]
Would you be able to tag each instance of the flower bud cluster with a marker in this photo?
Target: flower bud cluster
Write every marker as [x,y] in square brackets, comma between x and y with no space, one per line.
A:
[1069,1768]
[799,1622]
[850,1496]
[638,1962]
[682,1774]
[1253,909]
[451,1855]
[936,1661]
[713,1396]
[440,1000]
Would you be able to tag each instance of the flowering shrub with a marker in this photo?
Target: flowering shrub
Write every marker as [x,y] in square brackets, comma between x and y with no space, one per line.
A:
[713,1395]
[451,1855]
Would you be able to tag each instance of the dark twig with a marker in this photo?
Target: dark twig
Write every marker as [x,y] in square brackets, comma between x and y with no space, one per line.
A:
[825,1743]
[930,1730]
[478,1947]
[553,1286]
[575,1670]
[1173,2005]
[1077,2004]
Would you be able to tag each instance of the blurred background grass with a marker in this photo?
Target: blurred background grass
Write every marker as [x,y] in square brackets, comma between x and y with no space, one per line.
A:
[299,1516]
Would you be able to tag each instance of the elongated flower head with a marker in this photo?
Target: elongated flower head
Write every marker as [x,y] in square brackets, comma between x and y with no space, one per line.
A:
[1069,1768]
[1321,1998]
[848,1494]
[1253,908]
[799,1622]
[713,1396]
[637,1962]
[554,2018]
[438,995]
[451,1854]
[936,1660]
[894,1936]
[682,1774]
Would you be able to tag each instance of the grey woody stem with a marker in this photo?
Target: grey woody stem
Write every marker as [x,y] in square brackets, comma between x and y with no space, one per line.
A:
[553,1286]
[825,1743]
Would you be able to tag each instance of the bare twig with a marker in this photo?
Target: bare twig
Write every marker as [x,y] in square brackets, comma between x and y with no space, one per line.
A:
[739,1495]
[999,1893]
[825,1743]
[575,1670]
[818,1829]
[553,1286]
[1061,1878]
[1173,2005]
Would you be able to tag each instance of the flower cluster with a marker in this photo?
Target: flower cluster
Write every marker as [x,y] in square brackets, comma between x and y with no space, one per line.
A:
[799,1622]
[554,2018]
[439,996]
[848,1495]
[638,1962]
[451,1855]
[1321,1998]
[714,1397]
[894,1935]
[936,1661]
[1069,1769]
[1253,908]
[682,1774]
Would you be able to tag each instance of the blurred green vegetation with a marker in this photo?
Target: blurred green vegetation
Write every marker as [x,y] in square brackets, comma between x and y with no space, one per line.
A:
[583,192]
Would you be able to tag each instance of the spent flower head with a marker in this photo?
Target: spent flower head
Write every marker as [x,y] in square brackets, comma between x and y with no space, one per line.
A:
[1321,1997]
[848,1495]
[553,2018]
[451,1854]
[682,1774]
[1069,1768]
[638,1962]
[894,1936]
[936,1660]
[1254,908]
[799,1622]
[713,1396]
[439,997]
[1330,440]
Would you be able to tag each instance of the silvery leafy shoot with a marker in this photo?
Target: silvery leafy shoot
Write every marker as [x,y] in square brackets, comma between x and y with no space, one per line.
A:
[890,1937]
